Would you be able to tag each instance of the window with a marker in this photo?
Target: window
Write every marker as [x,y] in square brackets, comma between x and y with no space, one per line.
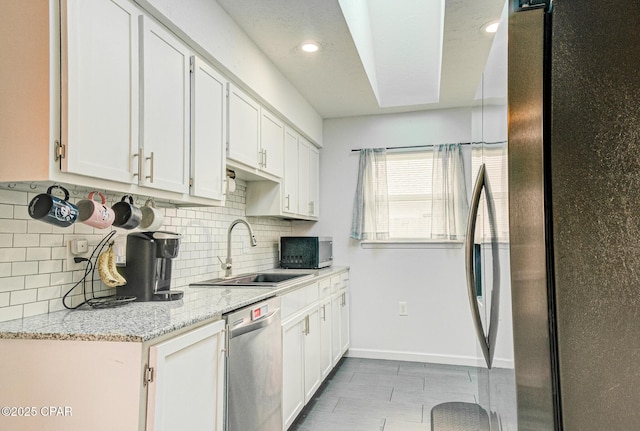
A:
[409,182]
[423,194]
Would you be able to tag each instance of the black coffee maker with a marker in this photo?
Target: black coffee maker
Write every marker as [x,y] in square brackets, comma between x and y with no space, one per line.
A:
[148,267]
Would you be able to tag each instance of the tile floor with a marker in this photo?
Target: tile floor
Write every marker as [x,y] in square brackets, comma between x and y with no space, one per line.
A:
[379,395]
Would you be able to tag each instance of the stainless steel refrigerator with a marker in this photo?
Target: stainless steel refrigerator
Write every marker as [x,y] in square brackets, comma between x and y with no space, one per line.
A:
[574,210]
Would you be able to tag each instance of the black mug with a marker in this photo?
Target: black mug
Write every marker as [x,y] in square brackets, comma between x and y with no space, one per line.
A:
[128,216]
[53,210]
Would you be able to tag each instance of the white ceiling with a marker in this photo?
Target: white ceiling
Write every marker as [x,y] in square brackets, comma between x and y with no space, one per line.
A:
[335,81]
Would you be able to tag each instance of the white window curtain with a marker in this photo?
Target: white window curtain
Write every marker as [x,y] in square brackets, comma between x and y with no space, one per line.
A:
[450,207]
[370,220]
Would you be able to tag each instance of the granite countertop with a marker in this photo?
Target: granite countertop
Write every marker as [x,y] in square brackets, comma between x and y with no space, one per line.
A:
[144,321]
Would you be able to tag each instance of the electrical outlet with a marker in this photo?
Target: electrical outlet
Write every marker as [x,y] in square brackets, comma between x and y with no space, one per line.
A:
[77,247]
[404,311]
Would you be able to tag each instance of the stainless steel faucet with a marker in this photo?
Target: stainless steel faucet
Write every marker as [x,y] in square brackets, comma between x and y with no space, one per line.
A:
[227,263]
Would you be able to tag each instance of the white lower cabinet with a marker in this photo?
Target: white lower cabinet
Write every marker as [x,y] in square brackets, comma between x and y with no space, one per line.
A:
[326,320]
[186,390]
[340,339]
[301,373]
[292,370]
[102,385]
[315,335]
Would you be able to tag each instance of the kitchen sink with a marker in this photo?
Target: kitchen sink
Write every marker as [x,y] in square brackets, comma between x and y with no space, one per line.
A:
[264,279]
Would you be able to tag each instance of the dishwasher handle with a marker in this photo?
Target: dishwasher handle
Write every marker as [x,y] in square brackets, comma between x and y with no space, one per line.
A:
[255,325]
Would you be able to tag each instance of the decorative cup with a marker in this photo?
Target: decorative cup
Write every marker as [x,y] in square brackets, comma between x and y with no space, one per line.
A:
[96,214]
[127,215]
[151,216]
[53,210]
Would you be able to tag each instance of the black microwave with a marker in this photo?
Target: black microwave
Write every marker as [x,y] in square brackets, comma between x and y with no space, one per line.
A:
[308,252]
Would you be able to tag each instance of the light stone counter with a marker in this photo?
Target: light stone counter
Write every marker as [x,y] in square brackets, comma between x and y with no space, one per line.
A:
[144,321]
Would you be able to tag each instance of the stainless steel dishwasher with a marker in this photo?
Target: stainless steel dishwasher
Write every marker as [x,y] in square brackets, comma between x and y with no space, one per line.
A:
[254,368]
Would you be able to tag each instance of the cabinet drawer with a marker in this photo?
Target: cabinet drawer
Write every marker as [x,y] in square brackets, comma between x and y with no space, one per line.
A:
[295,301]
[325,287]
[339,281]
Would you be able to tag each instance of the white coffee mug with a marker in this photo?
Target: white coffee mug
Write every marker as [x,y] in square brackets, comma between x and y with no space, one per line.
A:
[151,216]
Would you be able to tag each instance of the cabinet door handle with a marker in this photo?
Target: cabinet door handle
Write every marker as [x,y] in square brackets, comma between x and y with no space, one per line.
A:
[288,199]
[139,156]
[262,158]
[324,312]
[306,325]
[150,176]
[344,299]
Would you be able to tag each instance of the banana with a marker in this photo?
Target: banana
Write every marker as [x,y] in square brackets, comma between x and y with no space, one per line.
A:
[107,269]
[112,267]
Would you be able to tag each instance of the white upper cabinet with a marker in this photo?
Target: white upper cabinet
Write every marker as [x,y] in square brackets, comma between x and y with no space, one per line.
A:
[100,88]
[290,190]
[314,181]
[244,128]
[256,138]
[103,99]
[271,154]
[296,194]
[303,176]
[164,151]
[208,131]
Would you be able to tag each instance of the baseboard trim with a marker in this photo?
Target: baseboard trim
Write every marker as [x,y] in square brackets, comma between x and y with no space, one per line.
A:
[426,358]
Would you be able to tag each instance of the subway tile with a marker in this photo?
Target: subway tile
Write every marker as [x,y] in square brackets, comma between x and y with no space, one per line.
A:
[56,305]
[33,281]
[58,253]
[83,229]
[24,268]
[36,226]
[6,240]
[11,283]
[26,240]
[49,266]
[4,299]
[10,313]
[5,269]
[58,278]
[13,226]
[54,240]
[21,212]
[13,197]
[12,254]
[38,254]
[6,211]
[23,296]
[45,293]
[35,308]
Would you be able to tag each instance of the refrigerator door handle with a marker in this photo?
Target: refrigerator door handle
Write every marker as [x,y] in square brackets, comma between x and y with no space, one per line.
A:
[469,263]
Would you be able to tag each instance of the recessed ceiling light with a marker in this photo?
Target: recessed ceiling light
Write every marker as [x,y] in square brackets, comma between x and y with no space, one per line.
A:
[491,27]
[309,47]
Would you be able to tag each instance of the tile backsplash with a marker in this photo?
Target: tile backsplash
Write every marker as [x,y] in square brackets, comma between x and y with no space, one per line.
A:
[33,255]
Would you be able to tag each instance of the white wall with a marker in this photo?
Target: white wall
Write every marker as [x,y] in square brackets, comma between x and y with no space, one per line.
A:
[431,280]
[206,24]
